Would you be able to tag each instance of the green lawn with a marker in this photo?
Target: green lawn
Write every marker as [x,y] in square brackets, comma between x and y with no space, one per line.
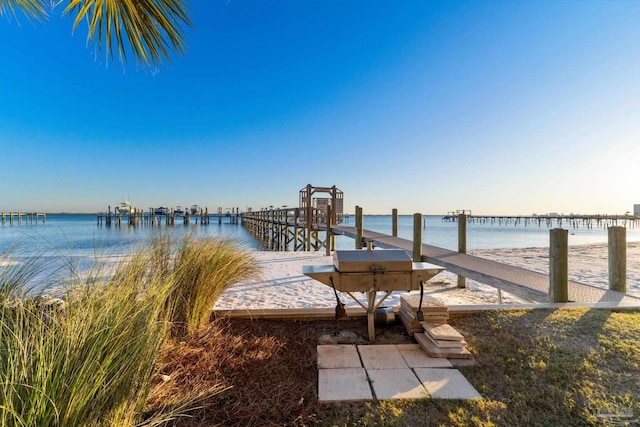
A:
[534,367]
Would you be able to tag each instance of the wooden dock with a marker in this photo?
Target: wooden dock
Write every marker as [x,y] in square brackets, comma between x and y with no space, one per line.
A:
[549,220]
[150,218]
[518,281]
[307,228]
[12,218]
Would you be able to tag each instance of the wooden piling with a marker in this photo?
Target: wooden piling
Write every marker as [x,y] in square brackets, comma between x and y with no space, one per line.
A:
[394,222]
[558,265]
[330,224]
[462,244]
[359,228]
[417,237]
[617,258]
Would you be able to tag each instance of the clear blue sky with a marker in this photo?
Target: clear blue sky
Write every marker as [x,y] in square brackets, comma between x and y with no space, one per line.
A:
[500,107]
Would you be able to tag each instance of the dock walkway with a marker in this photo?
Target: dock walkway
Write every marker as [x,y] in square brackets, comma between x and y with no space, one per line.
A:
[518,281]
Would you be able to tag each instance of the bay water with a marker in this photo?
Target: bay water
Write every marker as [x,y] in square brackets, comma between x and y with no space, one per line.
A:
[81,235]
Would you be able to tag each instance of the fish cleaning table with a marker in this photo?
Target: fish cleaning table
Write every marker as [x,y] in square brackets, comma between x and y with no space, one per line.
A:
[370,272]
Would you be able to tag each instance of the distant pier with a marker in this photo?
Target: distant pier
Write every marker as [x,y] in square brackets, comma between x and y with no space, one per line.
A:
[12,218]
[549,220]
[153,218]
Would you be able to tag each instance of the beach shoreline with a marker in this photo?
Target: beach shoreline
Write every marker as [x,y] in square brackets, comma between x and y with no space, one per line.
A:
[282,284]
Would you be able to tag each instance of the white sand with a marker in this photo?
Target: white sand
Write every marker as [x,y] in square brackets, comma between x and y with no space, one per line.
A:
[284,286]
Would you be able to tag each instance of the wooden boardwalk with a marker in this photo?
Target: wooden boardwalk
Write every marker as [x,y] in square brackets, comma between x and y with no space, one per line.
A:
[524,283]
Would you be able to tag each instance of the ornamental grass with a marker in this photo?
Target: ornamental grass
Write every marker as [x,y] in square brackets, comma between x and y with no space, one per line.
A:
[91,362]
[203,269]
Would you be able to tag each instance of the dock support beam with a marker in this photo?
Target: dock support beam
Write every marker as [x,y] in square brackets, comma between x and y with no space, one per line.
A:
[617,259]
[417,237]
[462,244]
[558,265]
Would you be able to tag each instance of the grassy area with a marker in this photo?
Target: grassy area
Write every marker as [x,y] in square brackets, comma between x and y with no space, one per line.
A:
[535,367]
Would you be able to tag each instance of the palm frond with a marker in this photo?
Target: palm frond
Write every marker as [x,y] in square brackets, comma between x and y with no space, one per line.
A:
[32,9]
[149,30]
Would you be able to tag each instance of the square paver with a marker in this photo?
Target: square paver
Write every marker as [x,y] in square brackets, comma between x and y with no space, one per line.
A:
[415,357]
[446,384]
[396,384]
[346,384]
[384,356]
[338,356]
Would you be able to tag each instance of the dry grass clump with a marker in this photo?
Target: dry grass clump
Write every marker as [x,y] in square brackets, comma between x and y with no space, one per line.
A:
[202,269]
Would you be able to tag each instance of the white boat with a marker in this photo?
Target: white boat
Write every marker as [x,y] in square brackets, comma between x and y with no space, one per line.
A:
[125,208]
[178,211]
[160,211]
[196,210]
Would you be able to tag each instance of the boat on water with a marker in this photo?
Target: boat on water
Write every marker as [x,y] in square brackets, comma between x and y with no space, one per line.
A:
[160,211]
[178,211]
[195,210]
[125,208]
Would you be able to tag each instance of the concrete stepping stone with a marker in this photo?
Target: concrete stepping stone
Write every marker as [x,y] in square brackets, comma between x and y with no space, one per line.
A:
[446,384]
[384,356]
[396,384]
[348,384]
[338,356]
[434,351]
[442,332]
[415,357]
[447,343]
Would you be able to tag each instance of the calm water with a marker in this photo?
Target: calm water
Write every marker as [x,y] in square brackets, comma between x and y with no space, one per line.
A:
[485,236]
[80,235]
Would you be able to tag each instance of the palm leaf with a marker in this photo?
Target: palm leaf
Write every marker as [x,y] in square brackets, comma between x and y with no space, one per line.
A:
[149,30]
[35,9]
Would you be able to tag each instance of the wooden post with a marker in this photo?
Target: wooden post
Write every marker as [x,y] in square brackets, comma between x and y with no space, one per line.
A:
[359,228]
[417,237]
[394,222]
[462,244]
[329,225]
[558,265]
[617,259]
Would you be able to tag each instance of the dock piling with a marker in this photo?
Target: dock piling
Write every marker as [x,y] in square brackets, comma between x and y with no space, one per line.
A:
[359,228]
[558,265]
[617,258]
[462,244]
[417,237]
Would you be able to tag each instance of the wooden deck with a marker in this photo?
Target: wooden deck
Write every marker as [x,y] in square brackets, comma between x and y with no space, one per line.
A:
[523,283]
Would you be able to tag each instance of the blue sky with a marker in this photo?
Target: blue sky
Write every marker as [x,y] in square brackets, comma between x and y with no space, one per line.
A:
[494,106]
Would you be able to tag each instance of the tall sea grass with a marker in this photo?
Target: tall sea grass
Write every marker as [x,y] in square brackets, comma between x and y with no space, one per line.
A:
[202,270]
[92,362]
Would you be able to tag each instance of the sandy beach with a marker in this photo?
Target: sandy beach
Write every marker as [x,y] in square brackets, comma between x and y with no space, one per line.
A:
[282,284]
